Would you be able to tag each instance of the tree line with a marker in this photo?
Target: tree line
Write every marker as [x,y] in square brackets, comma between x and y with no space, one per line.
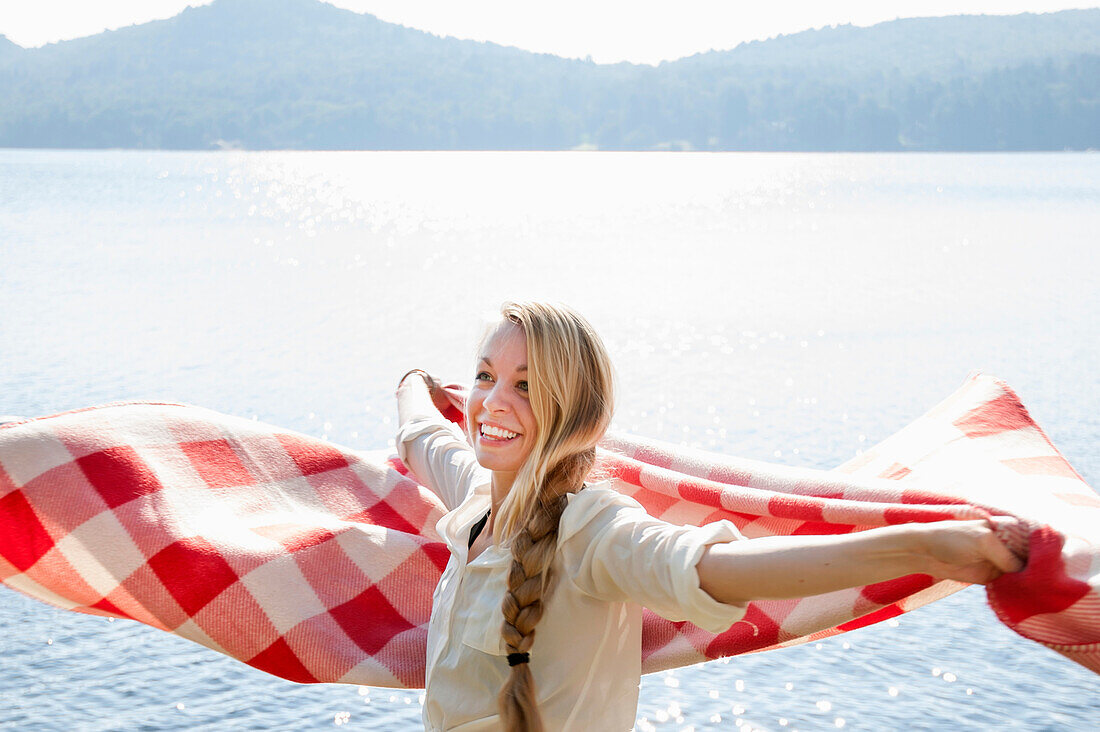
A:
[300,74]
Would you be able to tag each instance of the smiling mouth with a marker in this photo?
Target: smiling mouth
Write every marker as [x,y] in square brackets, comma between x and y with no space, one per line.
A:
[498,434]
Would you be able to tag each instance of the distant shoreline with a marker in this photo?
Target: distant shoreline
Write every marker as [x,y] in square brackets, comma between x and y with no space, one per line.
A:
[305,75]
[906,153]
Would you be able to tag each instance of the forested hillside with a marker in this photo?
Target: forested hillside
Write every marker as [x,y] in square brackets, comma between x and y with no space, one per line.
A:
[301,74]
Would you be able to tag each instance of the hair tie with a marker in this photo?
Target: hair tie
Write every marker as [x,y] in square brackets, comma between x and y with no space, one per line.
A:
[515,659]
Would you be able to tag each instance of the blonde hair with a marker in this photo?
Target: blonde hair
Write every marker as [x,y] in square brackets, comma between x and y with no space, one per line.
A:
[570,387]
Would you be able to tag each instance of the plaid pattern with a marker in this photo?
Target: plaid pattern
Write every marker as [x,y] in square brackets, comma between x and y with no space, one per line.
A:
[317,563]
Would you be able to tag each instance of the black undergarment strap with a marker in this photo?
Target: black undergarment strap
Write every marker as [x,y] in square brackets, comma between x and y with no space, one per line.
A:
[475,530]
[515,659]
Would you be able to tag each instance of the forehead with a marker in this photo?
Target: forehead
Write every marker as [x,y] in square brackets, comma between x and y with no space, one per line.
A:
[505,344]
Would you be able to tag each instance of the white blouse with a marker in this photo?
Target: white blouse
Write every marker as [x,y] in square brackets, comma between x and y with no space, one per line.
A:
[613,558]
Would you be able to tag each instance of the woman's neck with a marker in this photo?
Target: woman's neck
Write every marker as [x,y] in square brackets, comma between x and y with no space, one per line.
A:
[501,485]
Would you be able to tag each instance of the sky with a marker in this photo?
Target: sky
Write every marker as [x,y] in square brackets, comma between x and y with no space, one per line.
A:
[607,30]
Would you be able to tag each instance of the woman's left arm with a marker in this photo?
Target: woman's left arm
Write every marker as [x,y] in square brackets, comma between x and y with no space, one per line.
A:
[781,567]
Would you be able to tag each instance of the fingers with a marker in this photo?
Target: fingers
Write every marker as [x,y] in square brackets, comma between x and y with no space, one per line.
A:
[970,551]
[422,377]
[439,397]
[999,554]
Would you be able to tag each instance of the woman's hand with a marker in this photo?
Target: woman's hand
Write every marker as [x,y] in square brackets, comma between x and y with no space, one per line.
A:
[418,393]
[967,551]
[439,397]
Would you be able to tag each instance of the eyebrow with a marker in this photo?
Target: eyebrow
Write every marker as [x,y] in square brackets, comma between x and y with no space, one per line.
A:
[485,360]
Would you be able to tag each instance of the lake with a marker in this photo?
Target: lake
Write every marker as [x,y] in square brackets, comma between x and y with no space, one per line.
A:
[795,308]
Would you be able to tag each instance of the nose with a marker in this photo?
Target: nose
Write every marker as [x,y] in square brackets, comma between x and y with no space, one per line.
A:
[497,399]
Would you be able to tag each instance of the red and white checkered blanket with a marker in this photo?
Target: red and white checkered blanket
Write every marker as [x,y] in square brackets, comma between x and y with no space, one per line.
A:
[317,563]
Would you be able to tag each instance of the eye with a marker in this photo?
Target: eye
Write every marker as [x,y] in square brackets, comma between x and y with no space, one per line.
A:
[483,376]
[521,386]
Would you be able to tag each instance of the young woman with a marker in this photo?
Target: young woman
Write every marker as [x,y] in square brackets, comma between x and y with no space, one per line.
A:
[536,621]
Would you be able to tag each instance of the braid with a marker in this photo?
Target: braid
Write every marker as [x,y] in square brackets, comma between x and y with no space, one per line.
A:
[533,550]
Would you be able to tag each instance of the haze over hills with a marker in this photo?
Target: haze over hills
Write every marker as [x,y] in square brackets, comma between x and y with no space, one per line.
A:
[301,74]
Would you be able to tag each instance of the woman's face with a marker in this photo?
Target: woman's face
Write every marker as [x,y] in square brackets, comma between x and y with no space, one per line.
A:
[498,412]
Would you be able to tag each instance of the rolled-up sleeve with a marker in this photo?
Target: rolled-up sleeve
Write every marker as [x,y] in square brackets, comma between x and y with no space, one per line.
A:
[614,551]
[438,454]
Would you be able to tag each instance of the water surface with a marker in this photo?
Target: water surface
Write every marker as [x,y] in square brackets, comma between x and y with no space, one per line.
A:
[787,307]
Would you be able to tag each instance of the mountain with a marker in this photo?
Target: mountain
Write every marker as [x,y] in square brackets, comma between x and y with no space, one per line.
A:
[962,44]
[7,48]
[277,74]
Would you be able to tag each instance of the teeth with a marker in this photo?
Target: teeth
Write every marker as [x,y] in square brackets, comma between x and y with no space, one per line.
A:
[491,431]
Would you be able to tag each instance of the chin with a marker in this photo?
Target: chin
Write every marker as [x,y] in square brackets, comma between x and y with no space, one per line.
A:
[492,462]
[500,458]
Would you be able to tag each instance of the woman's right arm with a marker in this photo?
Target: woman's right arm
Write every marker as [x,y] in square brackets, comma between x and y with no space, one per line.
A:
[414,400]
[615,551]
[781,567]
[433,448]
